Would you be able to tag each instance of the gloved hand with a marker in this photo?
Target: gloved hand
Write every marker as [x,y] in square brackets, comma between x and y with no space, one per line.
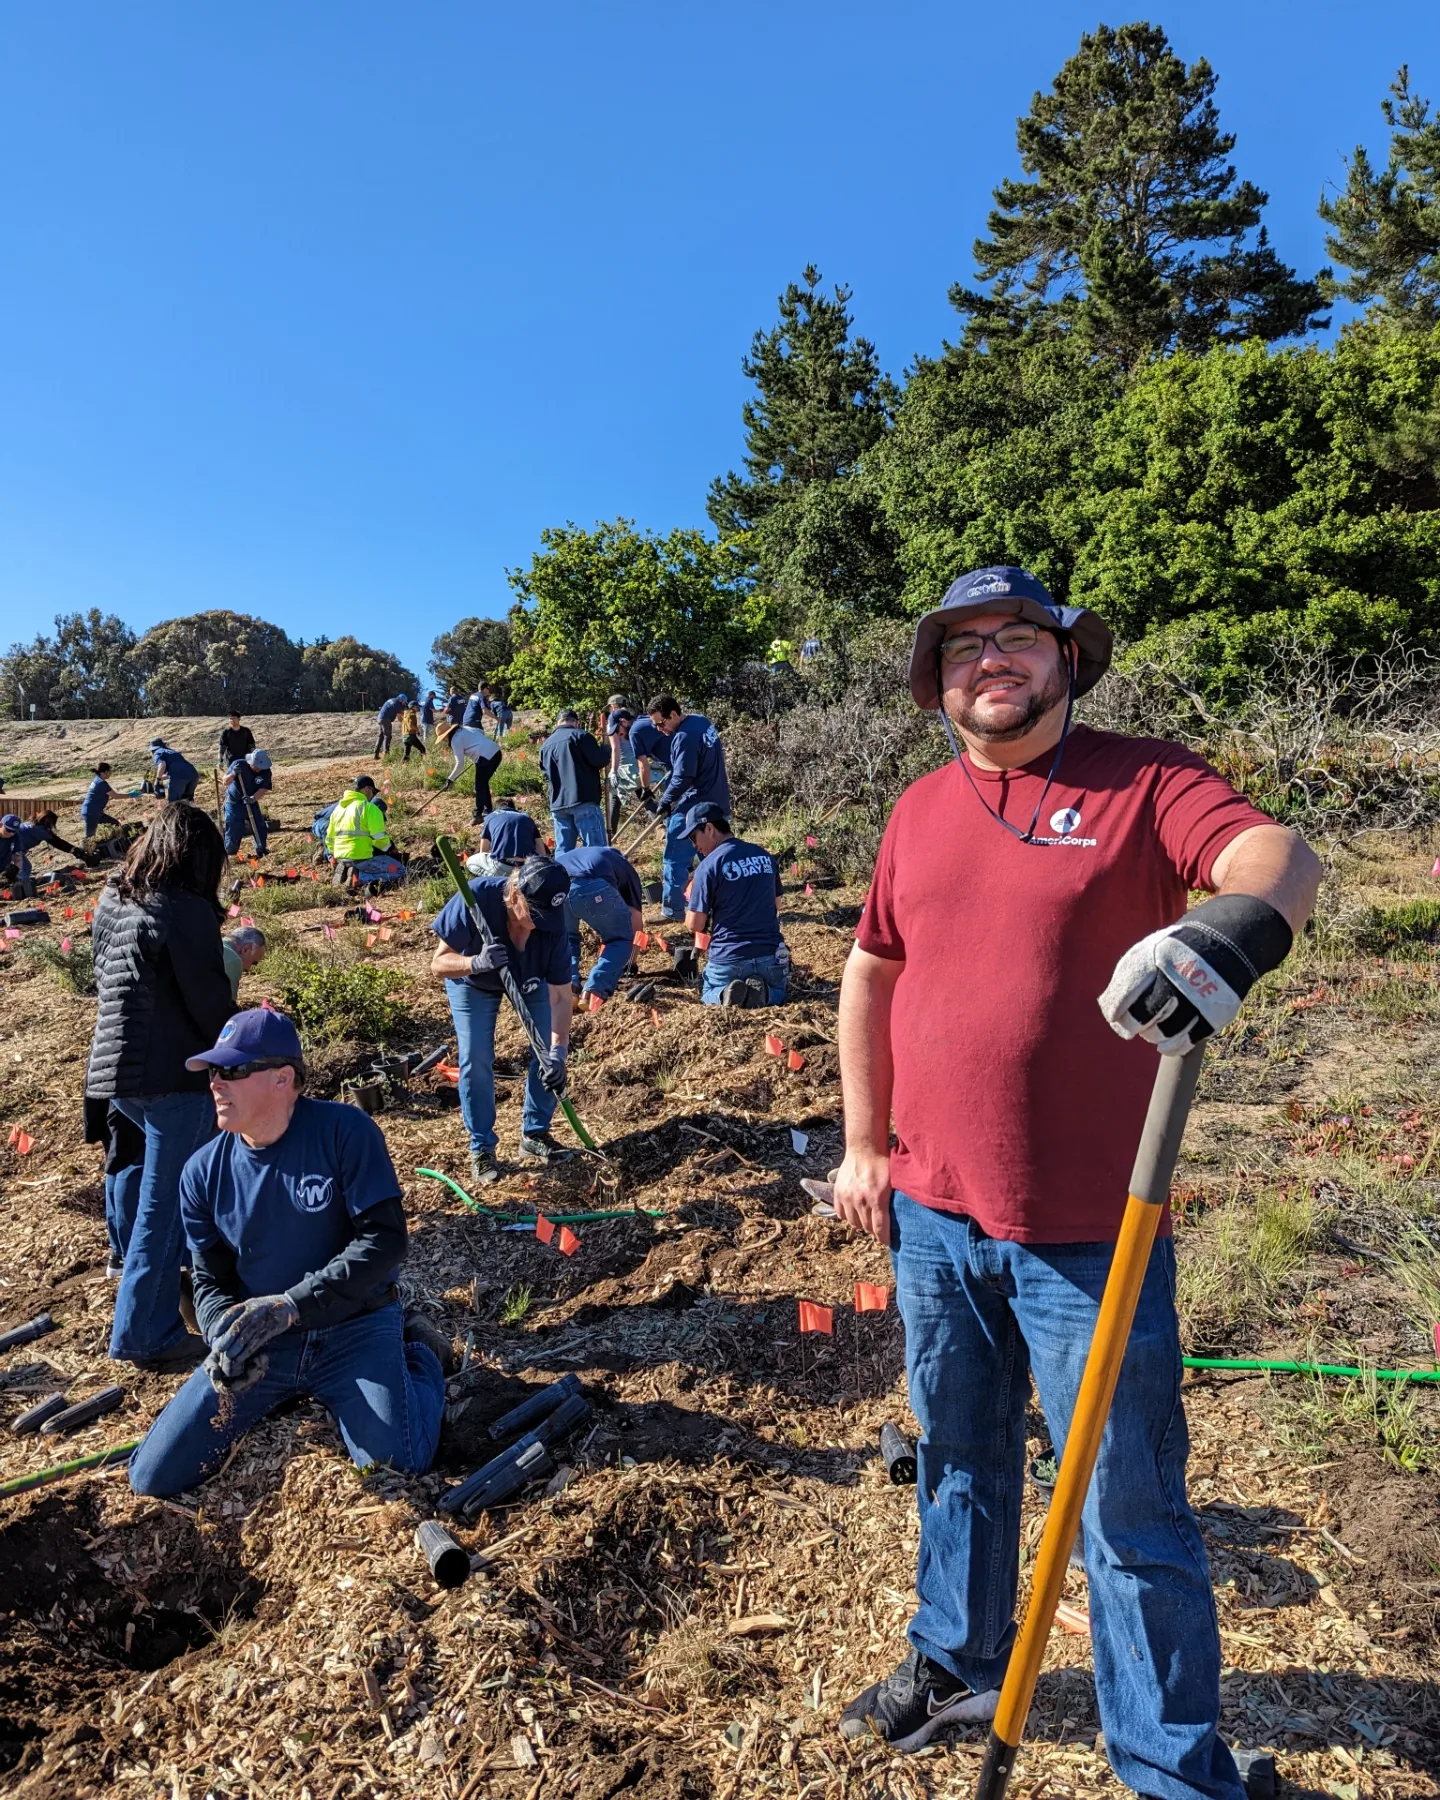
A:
[490,960]
[649,802]
[1179,985]
[553,1074]
[235,1362]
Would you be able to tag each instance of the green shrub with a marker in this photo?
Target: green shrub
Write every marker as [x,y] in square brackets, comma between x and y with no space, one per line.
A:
[1383,928]
[517,778]
[332,1000]
[74,969]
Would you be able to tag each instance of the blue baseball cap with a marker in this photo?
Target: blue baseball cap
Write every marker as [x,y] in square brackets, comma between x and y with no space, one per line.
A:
[1004,588]
[254,1036]
[12,821]
[704,812]
[545,885]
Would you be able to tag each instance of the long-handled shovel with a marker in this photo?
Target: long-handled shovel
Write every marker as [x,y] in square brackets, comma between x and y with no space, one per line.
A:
[445,849]
[1149,1193]
[635,843]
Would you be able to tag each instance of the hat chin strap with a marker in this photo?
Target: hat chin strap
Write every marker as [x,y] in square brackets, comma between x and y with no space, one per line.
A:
[1028,835]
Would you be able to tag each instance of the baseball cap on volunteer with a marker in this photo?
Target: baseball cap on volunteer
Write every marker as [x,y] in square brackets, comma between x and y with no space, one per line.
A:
[12,821]
[545,885]
[259,759]
[704,812]
[1006,589]
[258,1035]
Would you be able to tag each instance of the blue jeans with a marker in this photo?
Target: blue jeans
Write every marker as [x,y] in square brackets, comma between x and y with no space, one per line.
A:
[91,822]
[678,860]
[241,822]
[378,868]
[387,1397]
[579,825]
[596,903]
[122,1202]
[774,972]
[184,790]
[475,1014]
[147,1305]
[981,1315]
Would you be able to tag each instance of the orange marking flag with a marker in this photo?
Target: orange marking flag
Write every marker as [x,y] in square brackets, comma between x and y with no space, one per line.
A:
[773,1044]
[24,1144]
[642,938]
[869,1298]
[655,1018]
[817,1318]
[569,1243]
[795,1062]
[385,933]
[596,1002]
[369,940]
[544,1230]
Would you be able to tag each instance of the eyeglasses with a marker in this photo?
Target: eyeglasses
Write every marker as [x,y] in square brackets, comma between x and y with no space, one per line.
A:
[969,646]
[243,1071]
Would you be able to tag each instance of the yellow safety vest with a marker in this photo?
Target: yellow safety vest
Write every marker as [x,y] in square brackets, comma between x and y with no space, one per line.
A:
[356,829]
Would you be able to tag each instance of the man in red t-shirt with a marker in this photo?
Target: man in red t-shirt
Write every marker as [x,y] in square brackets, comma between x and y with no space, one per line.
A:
[1045,862]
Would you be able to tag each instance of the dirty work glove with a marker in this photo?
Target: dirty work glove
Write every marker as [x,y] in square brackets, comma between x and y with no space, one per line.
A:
[242,1333]
[649,802]
[1179,985]
[490,960]
[552,1068]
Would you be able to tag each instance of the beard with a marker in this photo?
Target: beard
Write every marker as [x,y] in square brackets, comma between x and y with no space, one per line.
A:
[963,708]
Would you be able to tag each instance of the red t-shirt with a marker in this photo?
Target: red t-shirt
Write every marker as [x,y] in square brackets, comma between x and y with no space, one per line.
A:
[1014,1100]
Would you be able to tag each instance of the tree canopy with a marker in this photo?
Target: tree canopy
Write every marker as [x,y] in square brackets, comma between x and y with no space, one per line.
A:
[472,652]
[1132,229]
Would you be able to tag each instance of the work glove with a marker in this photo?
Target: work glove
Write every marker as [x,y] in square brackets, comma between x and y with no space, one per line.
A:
[490,960]
[236,1362]
[649,802]
[553,1074]
[1179,985]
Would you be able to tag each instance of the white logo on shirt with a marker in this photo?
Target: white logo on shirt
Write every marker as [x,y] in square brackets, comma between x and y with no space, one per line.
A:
[1065,821]
[313,1193]
[739,867]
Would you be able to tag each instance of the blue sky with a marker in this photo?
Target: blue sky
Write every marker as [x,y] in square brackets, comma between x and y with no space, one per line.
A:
[324,310]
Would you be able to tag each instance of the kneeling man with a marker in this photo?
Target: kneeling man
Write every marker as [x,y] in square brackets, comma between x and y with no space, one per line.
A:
[296,1232]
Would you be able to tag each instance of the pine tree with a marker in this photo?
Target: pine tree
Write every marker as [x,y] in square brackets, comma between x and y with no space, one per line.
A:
[1132,230]
[1385,226]
[817,536]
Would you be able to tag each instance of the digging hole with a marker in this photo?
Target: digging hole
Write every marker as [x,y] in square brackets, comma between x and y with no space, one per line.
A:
[84,1601]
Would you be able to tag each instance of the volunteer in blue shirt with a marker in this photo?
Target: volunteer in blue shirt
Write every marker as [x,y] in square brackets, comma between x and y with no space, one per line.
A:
[476,708]
[97,797]
[732,896]
[525,911]
[297,1233]
[571,761]
[605,895]
[507,837]
[427,716]
[385,723]
[177,772]
[697,773]
[18,837]
[455,709]
[243,784]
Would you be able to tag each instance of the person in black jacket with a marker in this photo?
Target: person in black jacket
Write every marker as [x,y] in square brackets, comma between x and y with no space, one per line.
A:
[163,996]
[572,760]
[236,740]
[297,1232]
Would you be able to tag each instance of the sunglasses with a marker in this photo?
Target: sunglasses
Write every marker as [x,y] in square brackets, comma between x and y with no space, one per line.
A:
[243,1071]
[969,646]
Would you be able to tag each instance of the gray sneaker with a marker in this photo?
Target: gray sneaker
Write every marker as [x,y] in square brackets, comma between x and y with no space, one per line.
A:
[542,1149]
[484,1170]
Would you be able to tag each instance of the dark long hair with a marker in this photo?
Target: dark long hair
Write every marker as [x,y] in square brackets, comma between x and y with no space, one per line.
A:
[181,847]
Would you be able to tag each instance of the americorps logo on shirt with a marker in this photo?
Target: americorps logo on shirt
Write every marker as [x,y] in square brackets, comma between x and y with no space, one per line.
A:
[1065,823]
[313,1193]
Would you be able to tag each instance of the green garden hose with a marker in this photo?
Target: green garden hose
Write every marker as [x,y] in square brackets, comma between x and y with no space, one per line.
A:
[572,1218]
[1308,1368]
[98,1459]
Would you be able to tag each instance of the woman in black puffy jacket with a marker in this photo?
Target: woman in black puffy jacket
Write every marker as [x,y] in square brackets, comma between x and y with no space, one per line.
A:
[163,996]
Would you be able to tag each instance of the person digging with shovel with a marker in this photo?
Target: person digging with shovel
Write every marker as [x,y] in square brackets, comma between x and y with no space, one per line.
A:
[1009,885]
[525,912]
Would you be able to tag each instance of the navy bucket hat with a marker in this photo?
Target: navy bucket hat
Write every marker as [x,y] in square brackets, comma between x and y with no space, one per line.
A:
[1005,589]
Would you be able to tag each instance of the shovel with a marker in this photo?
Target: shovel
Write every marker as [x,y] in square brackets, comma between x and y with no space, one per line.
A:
[1149,1193]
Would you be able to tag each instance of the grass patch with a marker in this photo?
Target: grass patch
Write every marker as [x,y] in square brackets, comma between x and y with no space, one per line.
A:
[516,1304]
[517,778]
[330,1000]
[1391,1417]
[1382,928]
[73,969]
[277,898]
[1241,1256]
